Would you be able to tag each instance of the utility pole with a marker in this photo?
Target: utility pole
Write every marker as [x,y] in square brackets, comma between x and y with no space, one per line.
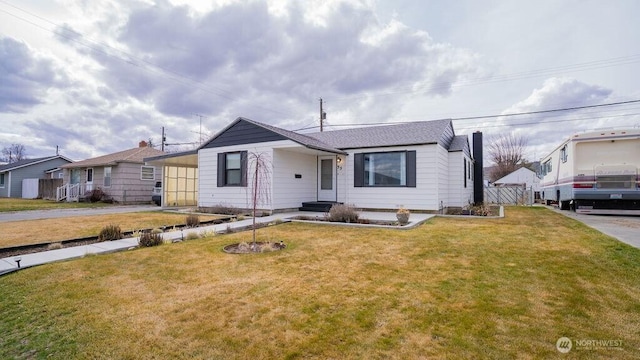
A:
[323,116]
[164,139]
[200,133]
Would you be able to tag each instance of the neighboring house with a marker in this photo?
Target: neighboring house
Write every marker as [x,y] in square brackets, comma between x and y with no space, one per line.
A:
[522,177]
[122,176]
[419,165]
[12,175]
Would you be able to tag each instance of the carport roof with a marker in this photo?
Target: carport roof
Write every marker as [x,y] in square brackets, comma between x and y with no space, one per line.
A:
[185,158]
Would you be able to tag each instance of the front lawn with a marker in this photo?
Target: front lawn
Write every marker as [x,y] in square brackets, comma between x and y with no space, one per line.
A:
[452,288]
[50,230]
[12,204]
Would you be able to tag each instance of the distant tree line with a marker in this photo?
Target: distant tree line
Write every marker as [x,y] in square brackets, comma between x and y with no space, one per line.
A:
[13,153]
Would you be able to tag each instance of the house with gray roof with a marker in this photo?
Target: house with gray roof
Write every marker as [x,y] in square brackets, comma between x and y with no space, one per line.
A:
[122,176]
[14,175]
[421,166]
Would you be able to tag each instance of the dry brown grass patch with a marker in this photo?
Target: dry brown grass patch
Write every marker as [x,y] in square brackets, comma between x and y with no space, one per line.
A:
[449,289]
[46,230]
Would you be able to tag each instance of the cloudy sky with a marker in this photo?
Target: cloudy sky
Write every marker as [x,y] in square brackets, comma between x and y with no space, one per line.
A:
[95,77]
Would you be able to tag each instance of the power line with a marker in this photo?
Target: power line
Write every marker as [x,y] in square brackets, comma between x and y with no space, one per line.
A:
[547,111]
[548,121]
[505,115]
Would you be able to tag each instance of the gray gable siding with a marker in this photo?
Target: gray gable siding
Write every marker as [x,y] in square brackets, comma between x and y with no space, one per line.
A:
[447,136]
[33,171]
[243,132]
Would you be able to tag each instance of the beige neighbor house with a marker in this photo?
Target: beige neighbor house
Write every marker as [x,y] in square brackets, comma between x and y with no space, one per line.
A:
[122,176]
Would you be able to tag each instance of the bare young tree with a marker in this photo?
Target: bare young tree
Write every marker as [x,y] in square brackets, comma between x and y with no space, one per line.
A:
[14,152]
[506,151]
[261,184]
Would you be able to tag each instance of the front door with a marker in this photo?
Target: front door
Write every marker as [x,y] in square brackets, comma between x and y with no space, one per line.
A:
[326,178]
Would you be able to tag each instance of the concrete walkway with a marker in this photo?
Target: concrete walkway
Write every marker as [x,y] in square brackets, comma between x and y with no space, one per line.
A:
[10,264]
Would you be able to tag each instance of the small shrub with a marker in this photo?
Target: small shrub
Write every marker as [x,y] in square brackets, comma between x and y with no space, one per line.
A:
[207,233]
[54,246]
[110,232]
[95,195]
[192,220]
[148,239]
[157,231]
[192,236]
[240,217]
[481,210]
[343,213]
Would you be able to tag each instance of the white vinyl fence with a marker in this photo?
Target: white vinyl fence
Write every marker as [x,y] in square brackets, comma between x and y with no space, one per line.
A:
[509,195]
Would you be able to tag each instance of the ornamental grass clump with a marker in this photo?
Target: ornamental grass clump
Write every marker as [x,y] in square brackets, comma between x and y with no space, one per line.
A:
[110,232]
[192,220]
[343,213]
[148,239]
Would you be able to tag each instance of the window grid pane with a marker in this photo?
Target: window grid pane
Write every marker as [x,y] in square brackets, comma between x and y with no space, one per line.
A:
[385,169]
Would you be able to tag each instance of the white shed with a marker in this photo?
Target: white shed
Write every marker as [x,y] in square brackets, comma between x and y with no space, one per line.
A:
[522,176]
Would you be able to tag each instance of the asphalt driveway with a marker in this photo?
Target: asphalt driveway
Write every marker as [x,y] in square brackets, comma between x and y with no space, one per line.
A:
[623,228]
[61,213]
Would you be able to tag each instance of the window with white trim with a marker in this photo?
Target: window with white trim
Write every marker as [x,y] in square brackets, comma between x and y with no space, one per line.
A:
[107,176]
[147,173]
[232,169]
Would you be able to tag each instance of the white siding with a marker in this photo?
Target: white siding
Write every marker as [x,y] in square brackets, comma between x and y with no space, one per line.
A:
[521,176]
[289,192]
[456,179]
[211,195]
[442,189]
[423,197]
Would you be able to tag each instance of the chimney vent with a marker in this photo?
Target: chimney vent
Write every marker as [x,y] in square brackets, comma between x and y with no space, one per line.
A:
[143,144]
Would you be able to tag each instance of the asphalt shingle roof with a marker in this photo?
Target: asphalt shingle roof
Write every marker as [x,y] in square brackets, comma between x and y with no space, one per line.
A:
[26,162]
[419,132]
[135,155]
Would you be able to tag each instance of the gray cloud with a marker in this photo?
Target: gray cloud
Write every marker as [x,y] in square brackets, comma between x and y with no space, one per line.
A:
[225,61]
[24,76]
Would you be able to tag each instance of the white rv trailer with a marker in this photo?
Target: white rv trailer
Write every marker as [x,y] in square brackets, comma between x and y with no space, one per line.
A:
[594,173]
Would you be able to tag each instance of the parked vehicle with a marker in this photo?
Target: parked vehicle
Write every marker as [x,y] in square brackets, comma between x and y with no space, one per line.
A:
[156,196]
[594,173]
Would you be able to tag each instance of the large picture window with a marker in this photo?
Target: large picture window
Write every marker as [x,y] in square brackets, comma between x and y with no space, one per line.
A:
[232,169]
[385,169]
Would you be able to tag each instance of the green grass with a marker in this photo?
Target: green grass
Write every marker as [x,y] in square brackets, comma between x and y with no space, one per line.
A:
[452,288]
[11,204]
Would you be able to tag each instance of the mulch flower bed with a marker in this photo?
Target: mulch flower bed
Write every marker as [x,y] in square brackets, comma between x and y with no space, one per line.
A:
[253,247]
